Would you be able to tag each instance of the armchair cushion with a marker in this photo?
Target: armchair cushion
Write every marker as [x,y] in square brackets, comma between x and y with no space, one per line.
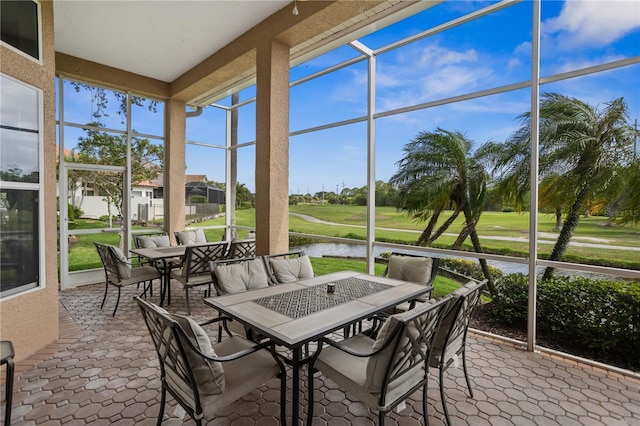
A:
[124,267]
[376,368]
[192,237]
[408,268]
[290,270]
[209,375]
[154,241]
[241,276]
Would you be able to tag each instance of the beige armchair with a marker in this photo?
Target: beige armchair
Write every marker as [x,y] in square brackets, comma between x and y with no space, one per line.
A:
[232,276]
[195,268]
[413,268]
[384,372]
[288,267]
[205,378]
[450,342]
[119,273]
[240,249]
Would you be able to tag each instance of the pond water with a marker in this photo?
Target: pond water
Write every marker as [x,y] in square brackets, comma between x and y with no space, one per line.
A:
[358,250]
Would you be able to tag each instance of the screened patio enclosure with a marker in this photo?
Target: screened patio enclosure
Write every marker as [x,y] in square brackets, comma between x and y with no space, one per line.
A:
[353,106]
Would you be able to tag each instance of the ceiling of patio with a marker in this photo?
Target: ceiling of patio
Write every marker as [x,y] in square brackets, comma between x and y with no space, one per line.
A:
[157,39]
[176,41]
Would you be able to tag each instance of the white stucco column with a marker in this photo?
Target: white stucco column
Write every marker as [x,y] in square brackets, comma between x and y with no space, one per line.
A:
[272,148]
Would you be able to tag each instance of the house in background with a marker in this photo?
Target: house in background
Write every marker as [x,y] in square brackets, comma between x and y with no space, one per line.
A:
[147,201]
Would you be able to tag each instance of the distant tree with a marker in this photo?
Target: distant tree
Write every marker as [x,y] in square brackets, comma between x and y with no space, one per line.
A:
[386,194]
[629,200]
[103,148]
[437,172]
[551,200]
[581,151]
[16,174]
[243,195]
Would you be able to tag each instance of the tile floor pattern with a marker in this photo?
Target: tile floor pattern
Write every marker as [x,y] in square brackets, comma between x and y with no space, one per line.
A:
[104,371]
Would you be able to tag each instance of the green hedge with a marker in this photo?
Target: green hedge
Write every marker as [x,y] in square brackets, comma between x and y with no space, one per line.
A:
[470,268]
[599,317]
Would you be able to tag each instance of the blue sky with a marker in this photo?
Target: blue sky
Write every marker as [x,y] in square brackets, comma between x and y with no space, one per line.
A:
[486,53]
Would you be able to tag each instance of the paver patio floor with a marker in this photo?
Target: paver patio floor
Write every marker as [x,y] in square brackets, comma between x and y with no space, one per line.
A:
[104,370]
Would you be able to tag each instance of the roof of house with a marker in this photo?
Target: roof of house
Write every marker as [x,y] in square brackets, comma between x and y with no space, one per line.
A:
[158,182]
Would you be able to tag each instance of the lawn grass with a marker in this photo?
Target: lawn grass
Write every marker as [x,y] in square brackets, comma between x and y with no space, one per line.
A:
[325,265]
[491,224]
[83,254]
[511,224]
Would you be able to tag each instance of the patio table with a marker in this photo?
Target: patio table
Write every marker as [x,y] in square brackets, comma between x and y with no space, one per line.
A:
[294,314]
[161,257]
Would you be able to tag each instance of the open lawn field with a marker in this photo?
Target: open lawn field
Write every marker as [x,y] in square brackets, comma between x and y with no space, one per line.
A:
[501,233]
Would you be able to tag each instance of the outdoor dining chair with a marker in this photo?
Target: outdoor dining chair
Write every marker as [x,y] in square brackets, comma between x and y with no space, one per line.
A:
[195,268]
[288,267]
[119,273]
[450,342]
[153,240]
[383,372]
[185,238]
[406,267]
[240,249]
[413,268]
[204,378]
[232,276]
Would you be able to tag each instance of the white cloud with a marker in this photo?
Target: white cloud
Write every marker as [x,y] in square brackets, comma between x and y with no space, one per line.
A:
[514,63]
[523,48]
[436,56]
[428,73]
[576,64]
[451,79]
[593,23]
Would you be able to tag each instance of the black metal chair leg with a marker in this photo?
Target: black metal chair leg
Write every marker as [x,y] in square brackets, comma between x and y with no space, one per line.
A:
[424,405]
[117,303]
[106,287]
[380,418]
[163,397]
[442,396]
[9,391]
[466,375]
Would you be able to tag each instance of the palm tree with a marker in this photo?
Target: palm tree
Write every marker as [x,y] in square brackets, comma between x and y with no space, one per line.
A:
[437,173]
[581,149]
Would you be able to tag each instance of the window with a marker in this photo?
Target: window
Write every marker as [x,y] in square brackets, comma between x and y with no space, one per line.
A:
[19,26]
[20,159]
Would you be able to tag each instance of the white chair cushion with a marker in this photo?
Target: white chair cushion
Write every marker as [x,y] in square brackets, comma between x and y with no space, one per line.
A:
[290,270]
[192,237]
[242,276]
[124,267]
[154,241]
[209,375]
[409,268]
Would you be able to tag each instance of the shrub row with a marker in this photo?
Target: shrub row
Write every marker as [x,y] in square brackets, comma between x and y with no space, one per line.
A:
[470,268]
[597,316]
